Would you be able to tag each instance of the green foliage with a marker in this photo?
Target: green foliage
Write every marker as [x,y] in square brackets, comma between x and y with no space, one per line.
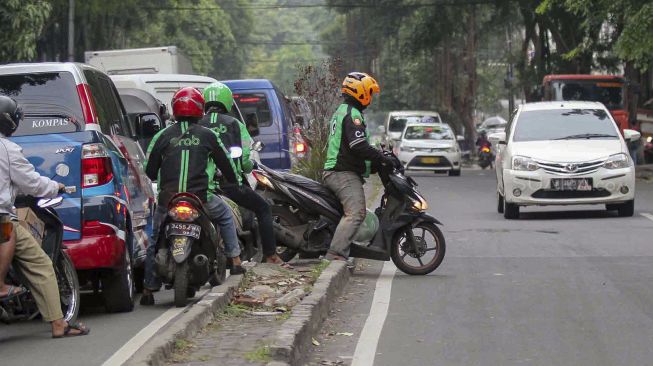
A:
[21,21]
[319,86]
[259,354]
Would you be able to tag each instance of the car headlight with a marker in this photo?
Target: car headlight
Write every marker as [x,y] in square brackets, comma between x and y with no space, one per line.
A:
[452,149]
[419,204]
[617,161]
[407,148]
[524,163]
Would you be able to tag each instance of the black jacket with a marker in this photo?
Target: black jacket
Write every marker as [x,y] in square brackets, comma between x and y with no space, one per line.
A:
[183,158]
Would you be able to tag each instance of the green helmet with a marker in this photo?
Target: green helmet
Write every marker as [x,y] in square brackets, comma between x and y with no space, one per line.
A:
[218,93]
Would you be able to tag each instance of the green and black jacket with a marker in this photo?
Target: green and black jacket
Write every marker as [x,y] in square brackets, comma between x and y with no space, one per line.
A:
[349,147]
[232,133]
[183,158]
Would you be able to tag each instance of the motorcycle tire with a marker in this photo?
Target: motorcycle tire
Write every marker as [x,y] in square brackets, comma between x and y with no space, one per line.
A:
[118,287]
[68,287]
[422,269]
[285,217]
[220,276]
[180,285]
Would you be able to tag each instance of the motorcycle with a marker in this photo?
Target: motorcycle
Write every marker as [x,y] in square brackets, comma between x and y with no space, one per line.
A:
[23,306]
[247,230]
[307,213]
[189,251]
[485,157]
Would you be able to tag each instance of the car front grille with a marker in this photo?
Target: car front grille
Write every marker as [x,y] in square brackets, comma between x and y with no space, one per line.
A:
[551,194]
[571,168]
[418,163]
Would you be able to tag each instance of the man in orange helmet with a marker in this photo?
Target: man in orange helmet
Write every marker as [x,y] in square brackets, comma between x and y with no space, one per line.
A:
[349,158]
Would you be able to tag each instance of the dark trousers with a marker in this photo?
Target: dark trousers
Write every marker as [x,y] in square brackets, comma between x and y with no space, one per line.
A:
[246,197]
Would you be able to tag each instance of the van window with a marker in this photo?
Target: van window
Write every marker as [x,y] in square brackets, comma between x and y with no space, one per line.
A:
[255,103]
[49,101]
[103,105]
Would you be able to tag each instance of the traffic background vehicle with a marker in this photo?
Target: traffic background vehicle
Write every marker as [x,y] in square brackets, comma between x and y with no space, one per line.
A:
[430,147]
[567,153]
[396,121]
[76,128]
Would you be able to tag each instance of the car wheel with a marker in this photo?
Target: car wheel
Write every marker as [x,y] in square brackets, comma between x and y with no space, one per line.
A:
[454,173]
[499,203]
[118,287]
[510,210]
[626,209]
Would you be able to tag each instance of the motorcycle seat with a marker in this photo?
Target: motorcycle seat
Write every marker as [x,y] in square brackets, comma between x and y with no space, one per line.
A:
[312,186]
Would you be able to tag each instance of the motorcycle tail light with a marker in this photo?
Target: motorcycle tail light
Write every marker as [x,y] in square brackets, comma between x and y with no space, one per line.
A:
[6,228]
[485,149]
[183,211]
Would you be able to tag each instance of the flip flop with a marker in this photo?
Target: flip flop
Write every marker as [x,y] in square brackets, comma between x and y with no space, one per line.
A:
[11,294]
[76,326]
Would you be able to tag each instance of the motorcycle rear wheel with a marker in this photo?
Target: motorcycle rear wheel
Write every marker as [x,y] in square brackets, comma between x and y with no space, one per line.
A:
[180,285]
[68,287]
[401,249]
[285,217]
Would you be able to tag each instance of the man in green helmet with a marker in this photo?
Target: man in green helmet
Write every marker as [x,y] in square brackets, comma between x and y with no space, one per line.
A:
[236,139]
[349,158]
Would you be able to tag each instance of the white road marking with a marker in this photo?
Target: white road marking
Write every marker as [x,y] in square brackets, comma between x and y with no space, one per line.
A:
[369,339]
[128,349]
[648,216]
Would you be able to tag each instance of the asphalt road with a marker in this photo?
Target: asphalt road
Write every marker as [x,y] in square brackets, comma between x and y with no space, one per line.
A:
[560,286]
[29,343]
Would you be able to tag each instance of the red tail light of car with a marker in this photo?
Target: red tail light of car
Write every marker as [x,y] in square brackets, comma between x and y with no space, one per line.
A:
[96,165]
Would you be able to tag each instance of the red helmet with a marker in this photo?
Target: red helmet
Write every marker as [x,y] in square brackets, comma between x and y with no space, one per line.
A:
[188,102]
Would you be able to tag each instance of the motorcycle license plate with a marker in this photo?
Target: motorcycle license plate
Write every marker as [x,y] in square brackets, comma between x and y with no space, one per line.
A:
[431,160]
[571,184]
[178,229]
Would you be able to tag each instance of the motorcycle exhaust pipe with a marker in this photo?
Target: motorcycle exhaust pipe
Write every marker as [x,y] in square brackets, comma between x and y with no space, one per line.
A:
[200,260]
[201,267]
[287,237]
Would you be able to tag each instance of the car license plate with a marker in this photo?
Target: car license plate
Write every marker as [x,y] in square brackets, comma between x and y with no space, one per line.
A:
[431,160]
[178,229]
[571,184]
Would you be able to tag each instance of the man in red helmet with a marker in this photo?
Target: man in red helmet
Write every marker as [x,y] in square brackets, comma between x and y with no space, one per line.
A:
[183,158]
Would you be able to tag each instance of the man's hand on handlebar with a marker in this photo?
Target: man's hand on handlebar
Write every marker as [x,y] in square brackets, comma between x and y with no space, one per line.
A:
[62,188]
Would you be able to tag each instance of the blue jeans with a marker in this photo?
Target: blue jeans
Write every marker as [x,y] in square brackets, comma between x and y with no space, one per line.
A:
[222,218]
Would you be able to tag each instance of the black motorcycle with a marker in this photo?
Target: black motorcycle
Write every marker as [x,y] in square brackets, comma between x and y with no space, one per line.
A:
[23,306]
[189,250]
[307,213]
[485,157]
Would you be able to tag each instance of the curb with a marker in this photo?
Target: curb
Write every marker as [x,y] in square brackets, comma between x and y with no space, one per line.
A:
[292,341]
[156,350]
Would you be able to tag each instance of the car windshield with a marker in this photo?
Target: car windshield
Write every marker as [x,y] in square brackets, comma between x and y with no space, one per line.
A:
[610,93]
[49,101]
[428,133]
[398,123]
[559,124]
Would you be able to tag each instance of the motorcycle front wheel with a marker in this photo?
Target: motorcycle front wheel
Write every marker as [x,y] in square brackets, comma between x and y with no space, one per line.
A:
[418,250]
[68,287]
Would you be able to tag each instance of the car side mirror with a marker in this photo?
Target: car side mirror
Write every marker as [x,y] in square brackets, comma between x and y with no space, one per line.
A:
[147,125]
[460,138]
[632,135]
[497,138]
[251,121]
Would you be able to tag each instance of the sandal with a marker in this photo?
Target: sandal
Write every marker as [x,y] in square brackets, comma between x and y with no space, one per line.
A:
[83,330]
[11,293]
[279,261]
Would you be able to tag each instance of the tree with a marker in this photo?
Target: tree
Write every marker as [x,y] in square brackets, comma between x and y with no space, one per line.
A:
[21,22]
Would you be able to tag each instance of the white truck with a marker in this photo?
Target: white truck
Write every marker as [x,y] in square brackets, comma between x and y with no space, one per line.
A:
[155,60]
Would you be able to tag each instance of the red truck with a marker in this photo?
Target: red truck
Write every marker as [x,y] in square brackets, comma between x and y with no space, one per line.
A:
[607,89]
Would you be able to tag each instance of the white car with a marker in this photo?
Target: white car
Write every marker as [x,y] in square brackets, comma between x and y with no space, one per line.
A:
[564,153]
[430,146]
[396,122]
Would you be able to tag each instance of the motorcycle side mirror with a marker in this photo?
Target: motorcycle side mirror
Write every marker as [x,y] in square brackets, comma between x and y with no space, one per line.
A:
[235,152]
[49,202]
[258,146]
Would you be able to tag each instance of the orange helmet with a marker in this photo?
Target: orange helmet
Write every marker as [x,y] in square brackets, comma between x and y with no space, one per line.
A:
[360,86]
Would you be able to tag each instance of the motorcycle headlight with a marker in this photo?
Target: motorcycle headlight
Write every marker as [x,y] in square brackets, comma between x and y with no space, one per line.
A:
[419,204]
[263,180]
[617,161]
[524,163]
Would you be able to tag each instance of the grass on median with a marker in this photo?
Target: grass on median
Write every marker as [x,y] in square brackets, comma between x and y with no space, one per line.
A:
[259,354]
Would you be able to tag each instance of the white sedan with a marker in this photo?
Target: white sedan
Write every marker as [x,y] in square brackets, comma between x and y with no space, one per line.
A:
[430,146]
[564,153]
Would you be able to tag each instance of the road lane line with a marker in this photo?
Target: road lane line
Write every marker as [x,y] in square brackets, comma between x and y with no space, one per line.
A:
[369,339]
[128,349]
[647,215]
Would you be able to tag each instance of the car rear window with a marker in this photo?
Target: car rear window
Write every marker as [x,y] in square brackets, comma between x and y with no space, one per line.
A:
[560,124]
[255,103]
[49,101]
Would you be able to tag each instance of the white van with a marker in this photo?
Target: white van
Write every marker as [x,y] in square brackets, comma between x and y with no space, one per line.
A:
[397,120]
[162,86]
